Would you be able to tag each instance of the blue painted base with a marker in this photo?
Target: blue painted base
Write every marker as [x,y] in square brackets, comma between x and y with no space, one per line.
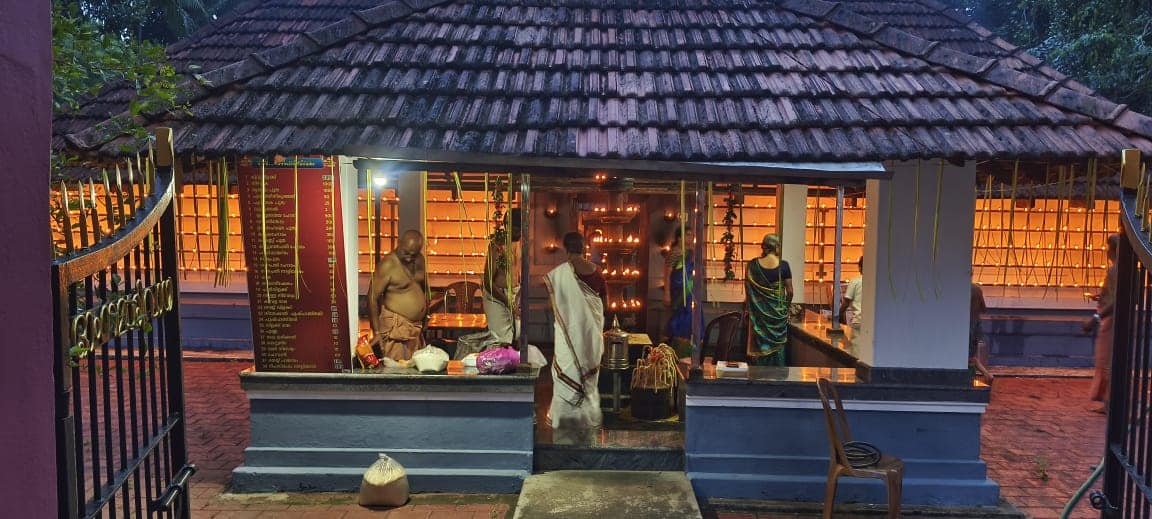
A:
[782,454]
[215,321]
[1052,340]
[451,434]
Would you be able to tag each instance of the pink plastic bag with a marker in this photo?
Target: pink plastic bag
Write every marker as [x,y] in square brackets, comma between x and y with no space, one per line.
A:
[497,361]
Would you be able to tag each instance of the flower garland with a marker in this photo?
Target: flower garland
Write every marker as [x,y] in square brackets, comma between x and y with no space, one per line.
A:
[729,238]
[499,229]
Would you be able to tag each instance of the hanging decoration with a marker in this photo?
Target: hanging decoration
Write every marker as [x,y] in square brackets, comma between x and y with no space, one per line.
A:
[729,237]
[916,227]
[296,274]
[497,196]
[936,225]
[222,222]
[891,210]
[1011,252]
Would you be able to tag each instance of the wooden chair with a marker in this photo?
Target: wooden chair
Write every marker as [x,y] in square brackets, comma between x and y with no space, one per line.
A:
[726,328]
[890,469]
[463,297]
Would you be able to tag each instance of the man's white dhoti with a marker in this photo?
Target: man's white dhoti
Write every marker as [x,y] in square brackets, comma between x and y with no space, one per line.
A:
[579,339]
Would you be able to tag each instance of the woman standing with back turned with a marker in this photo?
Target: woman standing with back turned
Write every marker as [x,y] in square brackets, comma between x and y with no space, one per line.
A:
[768,284]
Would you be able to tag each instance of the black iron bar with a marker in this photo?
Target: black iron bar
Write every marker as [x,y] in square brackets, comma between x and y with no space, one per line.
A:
[147,417]
[163,457]
[178,488]
[158,479]
[130,369]
[1137,434]
[1145,368]
[122,476]
[77,406]
[118,347]
[93,402]
[107,387]
[173,373]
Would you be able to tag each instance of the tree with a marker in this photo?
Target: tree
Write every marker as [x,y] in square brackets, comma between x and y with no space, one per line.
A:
[159,21]
[1106,44]
[86,59]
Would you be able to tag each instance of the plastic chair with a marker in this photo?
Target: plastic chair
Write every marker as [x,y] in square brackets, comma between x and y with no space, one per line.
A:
[726,327]
[463,297]
[890,469]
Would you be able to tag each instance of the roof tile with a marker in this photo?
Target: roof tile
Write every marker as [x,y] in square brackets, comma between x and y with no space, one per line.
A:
[722,80]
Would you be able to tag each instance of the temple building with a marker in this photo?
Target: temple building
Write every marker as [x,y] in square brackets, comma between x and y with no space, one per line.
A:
[900,136]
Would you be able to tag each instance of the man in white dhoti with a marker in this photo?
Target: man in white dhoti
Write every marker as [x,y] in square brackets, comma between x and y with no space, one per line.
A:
[576,290]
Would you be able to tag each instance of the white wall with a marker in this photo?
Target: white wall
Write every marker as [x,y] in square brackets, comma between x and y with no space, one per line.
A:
[410,192]
[916,308]
[791,217]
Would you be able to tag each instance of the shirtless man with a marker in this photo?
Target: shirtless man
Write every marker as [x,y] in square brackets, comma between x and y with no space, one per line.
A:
[399,279]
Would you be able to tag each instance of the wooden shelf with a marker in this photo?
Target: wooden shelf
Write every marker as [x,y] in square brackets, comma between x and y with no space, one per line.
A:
[614,248]
[609,218]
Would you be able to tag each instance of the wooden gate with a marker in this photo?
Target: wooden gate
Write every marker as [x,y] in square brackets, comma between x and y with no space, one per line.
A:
[119,383]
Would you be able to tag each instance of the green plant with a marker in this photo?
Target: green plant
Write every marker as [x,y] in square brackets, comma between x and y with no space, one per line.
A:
[1041,468]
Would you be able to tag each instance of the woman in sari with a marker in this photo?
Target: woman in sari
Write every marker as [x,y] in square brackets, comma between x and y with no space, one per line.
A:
[678,272]
[768,284]
[576,290]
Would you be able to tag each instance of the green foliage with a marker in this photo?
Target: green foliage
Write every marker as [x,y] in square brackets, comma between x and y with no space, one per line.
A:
[160,21]
[1105,44]
[85,59]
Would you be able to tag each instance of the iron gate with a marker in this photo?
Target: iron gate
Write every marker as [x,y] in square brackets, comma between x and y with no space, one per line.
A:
[119,384]
[1128,455]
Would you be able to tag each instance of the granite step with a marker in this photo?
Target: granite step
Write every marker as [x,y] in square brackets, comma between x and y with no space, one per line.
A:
[570,457]
[590,494]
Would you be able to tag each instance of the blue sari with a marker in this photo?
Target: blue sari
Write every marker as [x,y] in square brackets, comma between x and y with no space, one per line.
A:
[680,324]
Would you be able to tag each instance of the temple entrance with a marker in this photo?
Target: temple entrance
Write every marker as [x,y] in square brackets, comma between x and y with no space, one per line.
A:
[119,383]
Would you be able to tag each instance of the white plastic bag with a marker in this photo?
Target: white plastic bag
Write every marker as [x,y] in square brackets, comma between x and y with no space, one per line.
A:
[385,484]
[430,359]
[533,357]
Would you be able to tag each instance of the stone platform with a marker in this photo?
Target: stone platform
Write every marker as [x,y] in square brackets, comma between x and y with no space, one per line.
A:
[593,494]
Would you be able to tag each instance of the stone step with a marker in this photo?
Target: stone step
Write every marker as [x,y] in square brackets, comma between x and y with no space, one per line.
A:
[572,457]
[593,494]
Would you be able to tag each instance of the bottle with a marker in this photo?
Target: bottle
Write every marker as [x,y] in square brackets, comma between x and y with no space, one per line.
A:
[364,352]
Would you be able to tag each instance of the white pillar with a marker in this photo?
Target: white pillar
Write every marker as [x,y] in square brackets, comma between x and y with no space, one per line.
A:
[411,206]
[349,212]
[791,217]
[915,303]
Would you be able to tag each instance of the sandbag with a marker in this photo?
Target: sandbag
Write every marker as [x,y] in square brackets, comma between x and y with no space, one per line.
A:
[385,484]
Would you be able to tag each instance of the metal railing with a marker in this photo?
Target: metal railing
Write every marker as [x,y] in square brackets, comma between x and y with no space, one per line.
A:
[1128,454]
[119,383]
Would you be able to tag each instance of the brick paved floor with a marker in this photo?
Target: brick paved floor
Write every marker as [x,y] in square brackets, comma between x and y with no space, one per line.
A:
[1040,440]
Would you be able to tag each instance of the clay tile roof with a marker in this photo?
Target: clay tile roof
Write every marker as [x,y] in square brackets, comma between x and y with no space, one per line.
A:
[696,80]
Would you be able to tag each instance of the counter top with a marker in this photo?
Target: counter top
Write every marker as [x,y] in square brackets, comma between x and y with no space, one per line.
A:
[392,379]
[814,326]
[798,382]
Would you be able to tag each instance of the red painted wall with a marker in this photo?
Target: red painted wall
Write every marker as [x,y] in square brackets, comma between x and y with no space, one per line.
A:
[27,441]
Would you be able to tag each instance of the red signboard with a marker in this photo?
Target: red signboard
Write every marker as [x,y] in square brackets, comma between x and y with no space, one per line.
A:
[294,247]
